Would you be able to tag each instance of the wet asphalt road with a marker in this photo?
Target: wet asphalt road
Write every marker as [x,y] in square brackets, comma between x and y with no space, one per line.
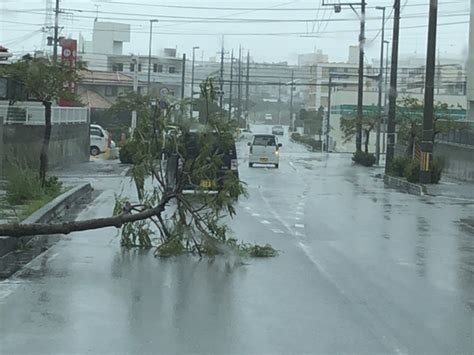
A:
[363,270]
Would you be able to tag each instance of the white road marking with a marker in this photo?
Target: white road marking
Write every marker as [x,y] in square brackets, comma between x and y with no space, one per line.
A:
[299,213]
[296,218]
[277,231]
[293,166]
[265,222]
[256,214]
[297,225]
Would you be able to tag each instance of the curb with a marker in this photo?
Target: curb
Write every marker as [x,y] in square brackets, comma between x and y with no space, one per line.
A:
[45,214]
[308,147]
[403,185]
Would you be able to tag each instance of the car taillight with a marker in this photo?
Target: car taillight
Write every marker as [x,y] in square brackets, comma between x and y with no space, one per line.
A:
[233,165]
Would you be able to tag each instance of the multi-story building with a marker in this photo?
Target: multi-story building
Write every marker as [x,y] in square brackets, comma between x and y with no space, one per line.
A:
[105,53]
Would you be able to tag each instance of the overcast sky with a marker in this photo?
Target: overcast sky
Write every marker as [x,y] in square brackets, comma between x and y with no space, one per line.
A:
[272,30]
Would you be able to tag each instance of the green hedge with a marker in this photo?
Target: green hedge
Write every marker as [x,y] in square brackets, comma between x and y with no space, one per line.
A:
[409,168]
[362,158]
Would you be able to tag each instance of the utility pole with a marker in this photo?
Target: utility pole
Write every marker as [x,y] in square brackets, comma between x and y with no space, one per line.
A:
[56,32]
[191,108]
[360,93]
[279,101]
[183,76]
[221,80]
[231,83]
[328,121]
[291,100]
[379,118]
[385,97]
[427,137]
[149,55]
[247,92]
[239,88]
[439,79]
[392,104]
[135,90]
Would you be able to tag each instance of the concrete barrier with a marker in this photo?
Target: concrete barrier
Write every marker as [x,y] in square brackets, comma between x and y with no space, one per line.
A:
[402,184]
[45,214]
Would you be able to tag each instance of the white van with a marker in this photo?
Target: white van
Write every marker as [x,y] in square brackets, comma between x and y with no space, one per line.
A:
[264,149]
[99,139]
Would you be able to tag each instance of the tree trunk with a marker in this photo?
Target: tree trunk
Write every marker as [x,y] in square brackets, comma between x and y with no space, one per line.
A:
[21,230]
[367,136]
[44,149]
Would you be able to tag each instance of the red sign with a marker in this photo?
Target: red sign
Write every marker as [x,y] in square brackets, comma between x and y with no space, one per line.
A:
[69,55]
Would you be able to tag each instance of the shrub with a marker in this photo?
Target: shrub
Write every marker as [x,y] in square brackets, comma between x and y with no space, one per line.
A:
[437,169]
[398,165]
[364,159]
[127,152]
[412,171]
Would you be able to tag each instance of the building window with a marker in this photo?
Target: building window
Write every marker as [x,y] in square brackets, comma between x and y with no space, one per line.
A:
[110,91]
[158,68]
[117,67]
[172,70]
[132,67]
[139,67]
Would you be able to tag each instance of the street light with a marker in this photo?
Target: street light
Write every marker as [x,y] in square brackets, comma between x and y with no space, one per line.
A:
[192,81]
[377,143]
[360,86]
[149,54]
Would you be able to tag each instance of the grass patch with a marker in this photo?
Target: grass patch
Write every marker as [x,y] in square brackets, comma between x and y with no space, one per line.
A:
[25,193]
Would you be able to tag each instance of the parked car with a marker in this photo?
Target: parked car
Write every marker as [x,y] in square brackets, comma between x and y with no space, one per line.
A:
[193,146]
[245,134]
[100,139]
[264,149]
[278,130]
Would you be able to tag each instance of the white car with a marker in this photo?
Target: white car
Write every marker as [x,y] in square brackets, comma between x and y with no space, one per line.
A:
[264,149]
[278,130]
[100,140]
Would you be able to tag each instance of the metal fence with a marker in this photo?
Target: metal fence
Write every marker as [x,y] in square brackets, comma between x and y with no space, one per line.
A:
[463,135]
[34,115]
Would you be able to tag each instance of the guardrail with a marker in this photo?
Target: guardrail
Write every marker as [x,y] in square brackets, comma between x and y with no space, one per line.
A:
[462,136]
[34,115]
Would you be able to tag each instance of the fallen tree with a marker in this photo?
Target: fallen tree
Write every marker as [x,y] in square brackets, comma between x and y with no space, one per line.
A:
[165,217]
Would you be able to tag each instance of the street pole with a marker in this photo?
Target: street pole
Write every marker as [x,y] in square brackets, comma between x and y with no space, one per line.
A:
[191,108]
[379,118]
[56,32]
[247,91]
[239,88]
[221,81]
[427,137]
[231,83]
[135,90]
[149,55]
[291,101]
[360,94]
[392,104]
[183,76]
[328,121]
[279,101]
[385,114]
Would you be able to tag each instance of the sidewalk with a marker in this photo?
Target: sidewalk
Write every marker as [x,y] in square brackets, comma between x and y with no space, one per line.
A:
[452,188]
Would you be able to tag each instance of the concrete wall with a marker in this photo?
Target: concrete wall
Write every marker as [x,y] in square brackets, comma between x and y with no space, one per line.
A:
[69,144]
[458,160]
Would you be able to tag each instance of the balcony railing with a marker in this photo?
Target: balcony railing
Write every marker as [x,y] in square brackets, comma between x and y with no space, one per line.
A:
[34,115]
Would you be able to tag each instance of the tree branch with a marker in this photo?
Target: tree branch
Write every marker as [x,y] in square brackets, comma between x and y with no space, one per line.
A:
[21,230]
